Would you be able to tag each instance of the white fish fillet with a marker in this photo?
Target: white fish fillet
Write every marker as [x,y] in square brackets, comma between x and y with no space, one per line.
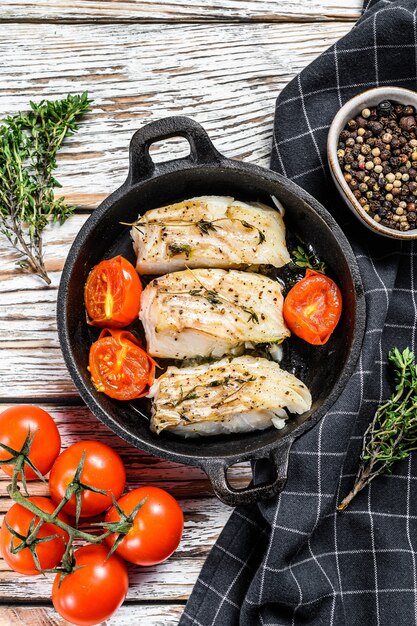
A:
[177,236]
[210,312]
[232,395]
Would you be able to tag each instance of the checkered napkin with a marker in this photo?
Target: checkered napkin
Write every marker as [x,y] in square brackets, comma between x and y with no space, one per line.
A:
[294,560]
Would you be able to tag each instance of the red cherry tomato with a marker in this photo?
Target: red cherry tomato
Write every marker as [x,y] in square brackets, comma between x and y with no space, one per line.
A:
[313,307]
[119,367]
[91,594]
[16,423]
[49,553]
[156,530]
[112,293]
[103,469]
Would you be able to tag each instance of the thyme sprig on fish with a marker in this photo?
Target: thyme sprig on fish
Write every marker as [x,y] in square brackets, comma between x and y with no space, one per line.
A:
[392,434]
[229,397]
[29,143]
[303,259]
[214,298]
[205,226]
[226,381]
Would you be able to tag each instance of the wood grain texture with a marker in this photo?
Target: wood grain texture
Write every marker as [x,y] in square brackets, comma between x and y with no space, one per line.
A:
[175,10]
[128,615]
[227,77]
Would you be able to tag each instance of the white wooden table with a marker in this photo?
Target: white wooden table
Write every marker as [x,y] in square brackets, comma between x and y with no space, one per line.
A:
[222,62]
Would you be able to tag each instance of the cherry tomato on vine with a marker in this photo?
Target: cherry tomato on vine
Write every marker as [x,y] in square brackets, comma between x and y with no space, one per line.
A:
[313,307]
[103,469]
[91,594]
[156,530]
[15,425]
[49,553]
[112,293]
[119,367]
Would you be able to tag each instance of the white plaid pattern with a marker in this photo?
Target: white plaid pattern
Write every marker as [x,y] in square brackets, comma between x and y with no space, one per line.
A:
[294,560]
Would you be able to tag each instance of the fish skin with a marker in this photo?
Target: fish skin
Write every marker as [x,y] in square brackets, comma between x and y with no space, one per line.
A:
[231,395]
[228,245]
[181,322]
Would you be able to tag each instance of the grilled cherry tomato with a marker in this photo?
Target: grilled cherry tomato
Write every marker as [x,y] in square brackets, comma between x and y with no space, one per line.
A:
[15,425]
[313,307]
[156,530]
[112,293]
[49,553]
[119,366]
[103,469]
[93,592]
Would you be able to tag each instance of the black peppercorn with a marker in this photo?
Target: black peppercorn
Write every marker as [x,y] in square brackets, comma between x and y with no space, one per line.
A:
[375,127]
[384,108]
[408,123]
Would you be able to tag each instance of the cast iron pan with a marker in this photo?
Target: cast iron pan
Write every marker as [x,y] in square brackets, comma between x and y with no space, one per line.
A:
[324,369]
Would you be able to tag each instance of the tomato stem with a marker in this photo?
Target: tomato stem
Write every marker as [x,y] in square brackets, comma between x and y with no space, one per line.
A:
[50,518]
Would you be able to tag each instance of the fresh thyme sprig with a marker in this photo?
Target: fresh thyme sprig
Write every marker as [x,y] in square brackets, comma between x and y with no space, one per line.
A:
[29,143]
[392,434]
[205,226]
[303,259]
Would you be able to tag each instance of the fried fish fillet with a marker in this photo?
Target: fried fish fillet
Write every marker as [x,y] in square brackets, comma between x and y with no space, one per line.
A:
[210,312]
[229,396]
[209,231]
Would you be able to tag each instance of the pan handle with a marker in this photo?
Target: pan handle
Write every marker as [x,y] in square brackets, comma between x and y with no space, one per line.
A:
[141,165]
[216,470]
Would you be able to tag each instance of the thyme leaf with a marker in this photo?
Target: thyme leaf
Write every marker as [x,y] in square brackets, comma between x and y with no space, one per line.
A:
[303,259]
[253,317]
[29,143]
[179,248]
[392,434]
[190,395]
[205,226]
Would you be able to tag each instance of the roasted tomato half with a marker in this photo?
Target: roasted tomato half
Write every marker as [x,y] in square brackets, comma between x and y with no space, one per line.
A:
[112,293]
[119,367]
[313,307]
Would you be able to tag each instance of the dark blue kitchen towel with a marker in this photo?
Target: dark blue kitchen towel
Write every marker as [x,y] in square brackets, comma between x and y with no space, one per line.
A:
[294,560]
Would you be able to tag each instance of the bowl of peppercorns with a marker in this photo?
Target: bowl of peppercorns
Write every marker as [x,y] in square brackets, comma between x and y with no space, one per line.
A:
[372,153]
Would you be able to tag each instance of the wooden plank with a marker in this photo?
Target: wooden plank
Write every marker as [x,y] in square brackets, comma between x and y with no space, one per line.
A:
[128,615]
[226,77]
[175,10]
